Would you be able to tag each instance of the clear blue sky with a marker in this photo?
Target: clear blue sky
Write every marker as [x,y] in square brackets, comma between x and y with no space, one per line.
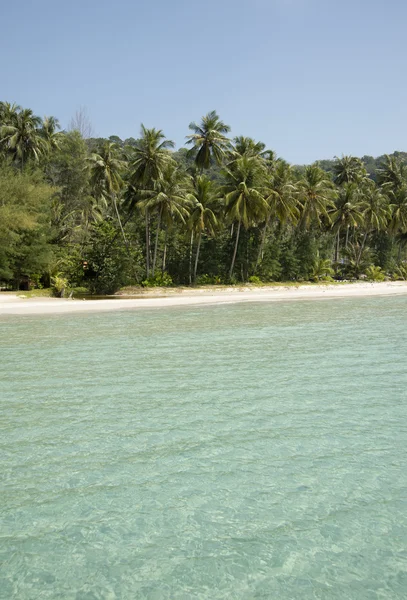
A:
[310,78]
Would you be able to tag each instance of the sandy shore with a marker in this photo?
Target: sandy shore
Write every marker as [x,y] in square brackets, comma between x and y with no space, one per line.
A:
[11,304]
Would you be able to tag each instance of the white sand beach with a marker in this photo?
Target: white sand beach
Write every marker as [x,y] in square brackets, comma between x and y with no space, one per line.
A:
[11,304]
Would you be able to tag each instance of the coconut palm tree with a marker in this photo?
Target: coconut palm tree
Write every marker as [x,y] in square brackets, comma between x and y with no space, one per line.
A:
[209,140]
[149,158]
[245,203]
[392,174]
[376,211]
[106,169]
[8,113]
[316,194]
[281,197]
[398,207]
[50,133]
[375,207]
[247,146]
[202,218]
[170,199]
[22,137]
[346,213]
[348,169]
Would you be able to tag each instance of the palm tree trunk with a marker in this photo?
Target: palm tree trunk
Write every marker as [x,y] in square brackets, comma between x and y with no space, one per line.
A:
[246,275]
[126,241]
[119,221]
[198,248]
[156,239]
[362,248]
[232,266]
[165,252]
[147,243]
[347,237]
[263,239]
[190,256]
[338,237]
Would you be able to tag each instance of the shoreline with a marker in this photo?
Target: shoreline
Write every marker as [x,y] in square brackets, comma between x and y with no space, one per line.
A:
[11,304]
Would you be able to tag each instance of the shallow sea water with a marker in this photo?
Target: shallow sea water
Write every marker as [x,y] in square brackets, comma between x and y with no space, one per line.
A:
[235,451]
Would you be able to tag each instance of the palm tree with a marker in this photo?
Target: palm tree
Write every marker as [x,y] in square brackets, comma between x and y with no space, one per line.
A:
[50,133]
[348,169]
[244,196]
[248,146]
[171,200]
[106,169]
[209,140]
[280,196]
[149,158]
[346,213]
[398,221]
[8,113]
[22,136]
[375,209]
[392,174]
[398,207]
[316,194]
[202,218]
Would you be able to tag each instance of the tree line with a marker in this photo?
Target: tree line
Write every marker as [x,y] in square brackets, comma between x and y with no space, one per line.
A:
[98,214]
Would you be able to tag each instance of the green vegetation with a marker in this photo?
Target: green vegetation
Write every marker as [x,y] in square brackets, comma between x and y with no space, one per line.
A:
[100,214]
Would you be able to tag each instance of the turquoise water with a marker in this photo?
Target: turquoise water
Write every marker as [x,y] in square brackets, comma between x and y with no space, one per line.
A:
[240,451]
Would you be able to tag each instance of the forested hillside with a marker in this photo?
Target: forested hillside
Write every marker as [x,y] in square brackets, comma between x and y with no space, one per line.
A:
[99,214]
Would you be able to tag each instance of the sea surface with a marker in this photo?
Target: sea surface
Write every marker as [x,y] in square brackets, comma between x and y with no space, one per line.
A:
[220,452]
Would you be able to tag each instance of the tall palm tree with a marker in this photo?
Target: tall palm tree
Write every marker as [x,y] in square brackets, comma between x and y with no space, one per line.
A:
[106,168]
[281,197]
[398,207]
[346,213]
[50,133]
[244,196]
[348,169]
[209,140]
[243,145]
[398,221]
[22,137]
[8,113]
[149,158]
[392,174]
[202,218]
[375,209]
[316,194]
[171,200]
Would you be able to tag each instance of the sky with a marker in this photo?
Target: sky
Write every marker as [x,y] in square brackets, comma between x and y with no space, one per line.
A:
[310,78]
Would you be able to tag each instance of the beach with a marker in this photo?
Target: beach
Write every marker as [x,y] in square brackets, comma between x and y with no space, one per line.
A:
[12,304]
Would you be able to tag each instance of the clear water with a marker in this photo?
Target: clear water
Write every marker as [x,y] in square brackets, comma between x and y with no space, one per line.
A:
[240,451]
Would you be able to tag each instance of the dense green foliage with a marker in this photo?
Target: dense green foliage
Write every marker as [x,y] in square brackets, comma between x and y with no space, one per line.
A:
[99,214]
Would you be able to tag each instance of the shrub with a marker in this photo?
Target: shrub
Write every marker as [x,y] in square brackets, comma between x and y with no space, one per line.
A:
[35,281]
[254,279]
[159,280]
[374,273]
[109,267]
[322,270]
[400,272]
[209,280]
[59,285]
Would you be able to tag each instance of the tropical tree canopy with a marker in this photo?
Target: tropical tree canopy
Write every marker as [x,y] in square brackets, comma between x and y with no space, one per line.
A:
[209,140]
[102,213]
